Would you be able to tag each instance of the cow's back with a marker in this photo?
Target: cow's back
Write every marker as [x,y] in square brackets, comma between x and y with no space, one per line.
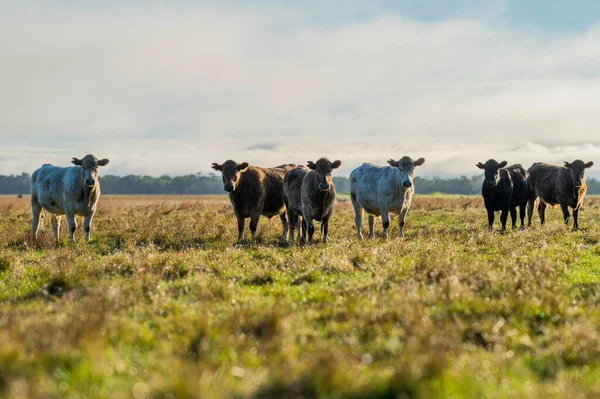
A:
[259,187]
[49,187]
[518,176]
[273,181]
[543,180]
[371,186]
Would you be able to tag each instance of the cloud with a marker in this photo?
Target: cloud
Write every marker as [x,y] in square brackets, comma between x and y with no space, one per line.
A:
[169,90]
[263,146]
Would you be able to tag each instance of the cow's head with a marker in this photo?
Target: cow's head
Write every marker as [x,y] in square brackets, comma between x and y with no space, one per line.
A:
[491,168]
[89,168]
[577,169]
[231,172]
[323,167]
[407,166]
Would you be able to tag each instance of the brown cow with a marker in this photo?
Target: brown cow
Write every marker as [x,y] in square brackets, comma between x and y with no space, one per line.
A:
[254,191]
[557,185]
[309,193]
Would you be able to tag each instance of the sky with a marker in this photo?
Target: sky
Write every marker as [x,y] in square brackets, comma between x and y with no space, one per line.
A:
[168,87]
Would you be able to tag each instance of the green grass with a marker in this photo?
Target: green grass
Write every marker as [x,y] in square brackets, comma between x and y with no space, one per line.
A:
[164,303]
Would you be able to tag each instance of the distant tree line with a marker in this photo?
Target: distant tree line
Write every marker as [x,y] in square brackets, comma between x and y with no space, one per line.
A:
[212,184]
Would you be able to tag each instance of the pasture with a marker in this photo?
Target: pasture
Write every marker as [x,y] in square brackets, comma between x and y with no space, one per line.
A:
[163,303]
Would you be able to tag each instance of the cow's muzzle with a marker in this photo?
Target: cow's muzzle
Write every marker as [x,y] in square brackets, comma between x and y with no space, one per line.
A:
[407,184]
[89,182]
[228,188]
[577,184]
[323,186]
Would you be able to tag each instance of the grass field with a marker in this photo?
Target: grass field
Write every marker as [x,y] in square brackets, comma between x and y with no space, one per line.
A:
[163,303]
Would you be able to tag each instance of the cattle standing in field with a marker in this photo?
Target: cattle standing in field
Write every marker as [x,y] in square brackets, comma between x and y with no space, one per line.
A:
[504,188]
[309,194]
[556,185]
[66,191]
[254,191]
[382,191]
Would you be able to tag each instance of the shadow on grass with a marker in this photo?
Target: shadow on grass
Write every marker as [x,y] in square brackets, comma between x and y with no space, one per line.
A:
[54,289]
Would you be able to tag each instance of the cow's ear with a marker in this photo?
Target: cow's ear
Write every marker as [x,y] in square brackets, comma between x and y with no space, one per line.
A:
[393,163]
[311,165]
[419,162]
[76,161]
[567,165]
[480,165]
[589,164]
[502,164]
[243,166]
[103,162]
[216,166]
[336,164]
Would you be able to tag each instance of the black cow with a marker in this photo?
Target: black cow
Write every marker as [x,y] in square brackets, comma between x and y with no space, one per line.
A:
[557,185]
[504,188]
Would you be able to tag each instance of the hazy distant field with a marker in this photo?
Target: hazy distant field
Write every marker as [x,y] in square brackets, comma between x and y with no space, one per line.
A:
[163,304]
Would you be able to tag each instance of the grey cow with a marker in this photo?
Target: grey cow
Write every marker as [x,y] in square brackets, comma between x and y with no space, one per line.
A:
[309,194]
[382,191]
[67,191]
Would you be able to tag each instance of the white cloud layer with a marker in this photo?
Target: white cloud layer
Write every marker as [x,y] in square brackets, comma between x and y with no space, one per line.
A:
[168,91]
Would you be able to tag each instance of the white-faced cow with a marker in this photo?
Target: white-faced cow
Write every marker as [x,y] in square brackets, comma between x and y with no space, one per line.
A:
[67,191]
[557,185]
[254,191]
[504,189]
[382,191]
[309,194]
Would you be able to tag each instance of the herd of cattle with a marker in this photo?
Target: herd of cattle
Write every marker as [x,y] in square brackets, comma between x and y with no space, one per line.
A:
[300,194]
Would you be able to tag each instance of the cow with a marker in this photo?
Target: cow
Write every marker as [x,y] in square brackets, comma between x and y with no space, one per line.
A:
[557,185]
[254,191]
[309,194]
[504,189]
[381,191]
[66,191]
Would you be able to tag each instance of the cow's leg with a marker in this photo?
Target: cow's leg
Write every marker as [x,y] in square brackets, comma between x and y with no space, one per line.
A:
[241,225]
[72,223]
[542,211]
[56,226]
[530,205]
[310,226]
[565,210]
[522,215]
[254,218]
[36,210]
[371,226]
[87,225]
[575,222]
[325,228]
[401,222]
[513,217]
[385,221]
[284,225]
[293,222]
[358,216]
[304,229]
[504,218]
[490,213]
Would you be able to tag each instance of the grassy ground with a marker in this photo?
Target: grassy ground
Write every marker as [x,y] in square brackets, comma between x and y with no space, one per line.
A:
[163,304]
